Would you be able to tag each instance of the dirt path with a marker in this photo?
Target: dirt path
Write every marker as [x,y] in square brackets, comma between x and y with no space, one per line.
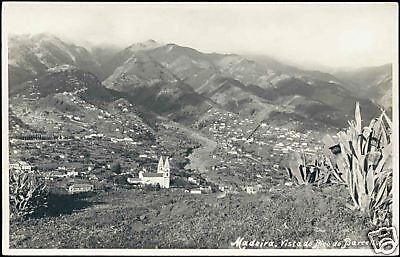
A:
[200,157]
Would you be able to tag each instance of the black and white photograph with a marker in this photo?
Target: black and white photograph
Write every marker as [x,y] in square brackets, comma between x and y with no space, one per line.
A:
[230,128]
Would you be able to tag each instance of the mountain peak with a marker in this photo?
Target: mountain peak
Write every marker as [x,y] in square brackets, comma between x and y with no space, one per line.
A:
[146,45]
[45,37]
[151,41]
[34,37]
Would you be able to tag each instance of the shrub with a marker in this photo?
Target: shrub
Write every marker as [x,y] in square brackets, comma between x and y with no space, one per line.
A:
[120,179]
[365,158]
[150,187]
[28,195]
[116,168]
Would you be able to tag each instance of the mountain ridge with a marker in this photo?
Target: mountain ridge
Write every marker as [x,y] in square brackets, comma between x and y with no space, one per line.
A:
[182,82]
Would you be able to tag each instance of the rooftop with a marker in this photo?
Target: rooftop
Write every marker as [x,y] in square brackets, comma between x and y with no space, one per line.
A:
[152,175]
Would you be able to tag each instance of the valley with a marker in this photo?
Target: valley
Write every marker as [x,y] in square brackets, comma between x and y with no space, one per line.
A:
[226,123]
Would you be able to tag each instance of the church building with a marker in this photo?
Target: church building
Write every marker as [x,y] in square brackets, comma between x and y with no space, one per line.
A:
[161,177]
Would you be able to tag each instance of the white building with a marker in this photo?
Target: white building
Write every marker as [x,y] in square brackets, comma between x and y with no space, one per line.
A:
[161,177]
[192,180]
[252,189]
[72,173]
[79,188]
[196,191]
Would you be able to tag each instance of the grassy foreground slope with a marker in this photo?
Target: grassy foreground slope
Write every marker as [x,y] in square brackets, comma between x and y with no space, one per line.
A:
[175,219]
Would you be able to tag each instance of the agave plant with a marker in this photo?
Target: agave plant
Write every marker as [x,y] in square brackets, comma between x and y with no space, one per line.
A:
[301,171]
[329,170]
[329,160]
[316,170]
[365,160]
[27,194]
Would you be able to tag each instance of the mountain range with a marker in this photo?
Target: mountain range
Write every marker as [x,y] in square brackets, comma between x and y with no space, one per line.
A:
[374,83]
[182,83]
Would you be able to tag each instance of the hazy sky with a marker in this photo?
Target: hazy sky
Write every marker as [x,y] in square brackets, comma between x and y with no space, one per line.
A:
[340,35]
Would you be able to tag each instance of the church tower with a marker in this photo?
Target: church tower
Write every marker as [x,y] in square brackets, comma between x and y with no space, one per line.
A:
[160,165]
[166,171]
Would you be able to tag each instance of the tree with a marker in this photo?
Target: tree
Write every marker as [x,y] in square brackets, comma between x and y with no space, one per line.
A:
[116,167]
[86,155]
[120,180]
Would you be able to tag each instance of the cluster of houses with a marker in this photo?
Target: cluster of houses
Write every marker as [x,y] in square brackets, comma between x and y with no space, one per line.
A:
[25,167]
[231,132]
[161,177]
[289,141]
[250,150]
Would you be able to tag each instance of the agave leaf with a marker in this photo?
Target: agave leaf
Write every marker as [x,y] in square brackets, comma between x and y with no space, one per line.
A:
[374,157]
[370,181]
[355,194]
[303,174]
[363,164]
[353,150]
[389,122]
[376,124]
[344,142]
[316,173]
[380,196]
[359,182]
[304,159]
[295,166]
[361,143]
[373,122]
[386,152]
[383,139]
[364,201]
[358,118]
[296,175]
[328,141]
[351,207]
[352,188]
[343,167]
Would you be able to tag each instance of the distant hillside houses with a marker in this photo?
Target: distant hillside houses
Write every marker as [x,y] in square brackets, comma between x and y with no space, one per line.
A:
[40,136]
[161,177]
